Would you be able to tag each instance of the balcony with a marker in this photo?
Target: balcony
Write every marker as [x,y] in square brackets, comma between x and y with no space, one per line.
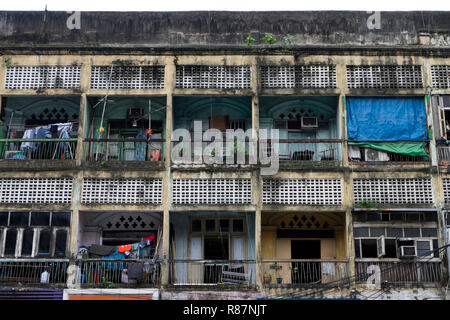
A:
[115,273]
[120,152]
[401,273]
[304,273]
[223,274]
[30,272]
[38,152]
[306,152]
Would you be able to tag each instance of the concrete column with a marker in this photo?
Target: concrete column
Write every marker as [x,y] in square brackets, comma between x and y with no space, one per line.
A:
[75,205]
[438,190]
[342,115]
[429,112]
[170,72]
[81,127]
[347,183]
[256,175]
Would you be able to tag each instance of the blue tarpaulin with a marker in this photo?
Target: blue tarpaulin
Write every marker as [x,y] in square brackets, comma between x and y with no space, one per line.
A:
[386,119]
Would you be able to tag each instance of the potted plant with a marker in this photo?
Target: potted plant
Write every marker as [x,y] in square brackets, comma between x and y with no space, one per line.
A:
[275,266]
[267,278]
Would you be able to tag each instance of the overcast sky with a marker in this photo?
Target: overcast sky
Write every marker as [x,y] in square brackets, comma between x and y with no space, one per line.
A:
[228,5]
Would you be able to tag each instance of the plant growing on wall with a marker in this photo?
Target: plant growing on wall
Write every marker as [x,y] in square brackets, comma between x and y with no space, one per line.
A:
[269,39]
[249,40]
[7,60]
[365,203]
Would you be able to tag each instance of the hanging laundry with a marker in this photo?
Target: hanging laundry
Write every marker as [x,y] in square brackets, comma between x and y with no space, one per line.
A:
[98,250]
[135,270]
[124,248]
[141,147]
[149,238]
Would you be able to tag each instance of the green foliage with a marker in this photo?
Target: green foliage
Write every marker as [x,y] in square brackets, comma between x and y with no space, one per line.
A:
[249,40]
[288,39]
[366,203]
[7,60]
[269,39]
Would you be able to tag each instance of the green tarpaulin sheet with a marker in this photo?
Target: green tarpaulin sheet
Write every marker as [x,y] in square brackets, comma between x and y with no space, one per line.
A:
[414,149]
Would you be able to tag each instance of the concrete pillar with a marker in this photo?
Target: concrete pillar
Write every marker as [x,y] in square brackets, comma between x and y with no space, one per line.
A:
[170,71]
[256,175]
[81,127]
[74,207]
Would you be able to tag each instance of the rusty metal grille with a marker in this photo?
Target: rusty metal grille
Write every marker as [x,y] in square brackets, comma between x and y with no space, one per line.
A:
[42,77]
[302,191]
[393,190]
[126,191]
[213,77]
[127,77]
[384,77]
[212,191]
[303,76]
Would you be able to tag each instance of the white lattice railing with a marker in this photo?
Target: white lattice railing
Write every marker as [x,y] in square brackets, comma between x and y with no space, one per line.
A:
[42,77]
[393,190]
[121,191]
[384,77]
[304,76]
[440,76]
[213,77]
[35,190]
[127,77]
[302,191]
[212,191]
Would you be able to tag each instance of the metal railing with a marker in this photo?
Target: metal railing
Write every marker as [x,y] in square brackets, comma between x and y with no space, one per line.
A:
[370,155]
[111,273]
[443,153]
[301,272]
[38,149]
[32,271]
[402,273]
[212,272]
[312,150]
[123,149]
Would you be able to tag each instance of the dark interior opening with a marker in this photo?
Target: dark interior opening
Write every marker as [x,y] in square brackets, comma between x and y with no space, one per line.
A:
[305,272]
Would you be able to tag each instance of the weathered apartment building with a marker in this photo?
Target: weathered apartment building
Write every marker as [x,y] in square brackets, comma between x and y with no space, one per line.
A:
[92,204]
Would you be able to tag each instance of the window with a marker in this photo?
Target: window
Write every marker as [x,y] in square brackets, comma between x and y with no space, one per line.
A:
[222,238]
[27,242]
[238,225]
[19,219]
[196,225]
[35,233]
[10,242]
[369,248]
[44,242]
[40,219]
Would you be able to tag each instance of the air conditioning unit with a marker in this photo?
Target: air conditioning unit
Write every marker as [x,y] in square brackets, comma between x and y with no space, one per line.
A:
[408,251]
[135,113]
[375,155]
[309,122]
[280,124]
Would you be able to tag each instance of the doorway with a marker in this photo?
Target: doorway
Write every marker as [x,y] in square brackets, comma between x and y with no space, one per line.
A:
[306,272]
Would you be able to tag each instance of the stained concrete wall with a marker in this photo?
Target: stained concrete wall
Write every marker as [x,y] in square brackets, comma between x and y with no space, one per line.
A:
[216,29]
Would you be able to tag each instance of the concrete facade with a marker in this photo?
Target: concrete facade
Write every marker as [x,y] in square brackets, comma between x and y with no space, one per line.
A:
[217,39]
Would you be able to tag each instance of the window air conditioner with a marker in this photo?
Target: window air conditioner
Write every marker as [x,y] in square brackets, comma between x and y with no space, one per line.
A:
[135,113]
[375,155]
[309,122]
[408,251]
